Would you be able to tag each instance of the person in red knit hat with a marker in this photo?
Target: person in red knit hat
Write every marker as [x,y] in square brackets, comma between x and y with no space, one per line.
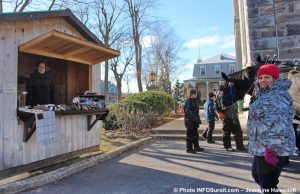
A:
[269,69]
[270,130]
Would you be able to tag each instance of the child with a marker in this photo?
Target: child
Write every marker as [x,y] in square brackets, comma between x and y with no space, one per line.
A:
[211,117]
[192,122]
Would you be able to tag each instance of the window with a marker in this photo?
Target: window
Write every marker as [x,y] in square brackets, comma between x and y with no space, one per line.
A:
[202,70]
[217,69]
[231,68]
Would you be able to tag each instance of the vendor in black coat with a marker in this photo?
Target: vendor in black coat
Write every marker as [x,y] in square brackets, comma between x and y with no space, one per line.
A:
[40,87]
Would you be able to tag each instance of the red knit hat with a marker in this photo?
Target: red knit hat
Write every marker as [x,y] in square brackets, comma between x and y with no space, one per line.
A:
[269,69]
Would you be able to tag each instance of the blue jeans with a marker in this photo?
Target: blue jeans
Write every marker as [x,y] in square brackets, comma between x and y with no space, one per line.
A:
[266,175]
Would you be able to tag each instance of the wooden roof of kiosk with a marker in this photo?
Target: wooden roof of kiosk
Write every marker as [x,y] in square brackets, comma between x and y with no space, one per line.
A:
[63,46]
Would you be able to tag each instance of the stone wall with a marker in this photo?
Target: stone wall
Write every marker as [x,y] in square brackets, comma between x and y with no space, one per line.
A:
[274,28]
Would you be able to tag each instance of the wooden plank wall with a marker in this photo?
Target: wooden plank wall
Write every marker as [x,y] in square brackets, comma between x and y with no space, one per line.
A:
[78,81]
[9,99]
[58,72]
[2,46]
[72,133]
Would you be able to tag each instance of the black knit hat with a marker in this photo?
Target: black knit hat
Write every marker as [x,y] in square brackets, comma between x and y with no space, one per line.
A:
[211,94]
[38,63]
[192,91]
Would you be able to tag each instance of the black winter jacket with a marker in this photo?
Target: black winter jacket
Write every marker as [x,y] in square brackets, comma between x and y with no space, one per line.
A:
[40,89]
[191,114]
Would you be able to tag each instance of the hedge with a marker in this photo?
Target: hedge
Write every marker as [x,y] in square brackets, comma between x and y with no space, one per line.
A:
[158,101]
[154,103]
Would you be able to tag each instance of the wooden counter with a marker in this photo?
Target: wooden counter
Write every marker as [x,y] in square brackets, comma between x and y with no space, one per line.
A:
[73,138]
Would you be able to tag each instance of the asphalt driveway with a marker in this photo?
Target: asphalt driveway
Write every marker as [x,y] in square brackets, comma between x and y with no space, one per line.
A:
[164,167]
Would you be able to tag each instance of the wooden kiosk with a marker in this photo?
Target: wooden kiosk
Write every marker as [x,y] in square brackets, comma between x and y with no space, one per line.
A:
[73,54]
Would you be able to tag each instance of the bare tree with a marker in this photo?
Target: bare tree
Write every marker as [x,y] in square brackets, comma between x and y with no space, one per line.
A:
[51,5]
[162,55]
[108,13]
[150,62]
[21,5]
[79,7]
[16,5]
[24,5]
[138,10]
[83,14]
[120,64]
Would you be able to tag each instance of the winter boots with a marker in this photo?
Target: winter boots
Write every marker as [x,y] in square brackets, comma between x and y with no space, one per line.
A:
[207,134]
[192,146]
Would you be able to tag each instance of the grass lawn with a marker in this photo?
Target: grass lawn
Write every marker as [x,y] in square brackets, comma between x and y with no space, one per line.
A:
[108,144]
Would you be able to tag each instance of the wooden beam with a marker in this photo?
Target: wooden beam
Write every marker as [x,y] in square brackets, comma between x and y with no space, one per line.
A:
[84,42]
[104,58]
[34,41]
[45,53]
[87,62]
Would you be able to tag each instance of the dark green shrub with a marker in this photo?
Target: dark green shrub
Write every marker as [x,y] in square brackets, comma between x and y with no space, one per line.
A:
[160,102]
[110,122]
[120,110]
[133,105]
[140,110]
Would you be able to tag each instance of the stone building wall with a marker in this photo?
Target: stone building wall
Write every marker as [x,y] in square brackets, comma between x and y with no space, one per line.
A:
[273,28]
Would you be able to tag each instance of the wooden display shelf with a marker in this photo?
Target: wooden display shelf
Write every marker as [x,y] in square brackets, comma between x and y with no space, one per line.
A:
[99,113]
[30,125]
[83,112]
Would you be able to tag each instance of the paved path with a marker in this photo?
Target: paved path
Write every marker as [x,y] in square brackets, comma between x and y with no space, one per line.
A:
[177,130]
[164,167]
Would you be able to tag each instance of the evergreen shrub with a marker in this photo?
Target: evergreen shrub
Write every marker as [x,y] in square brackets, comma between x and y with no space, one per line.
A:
[158,101]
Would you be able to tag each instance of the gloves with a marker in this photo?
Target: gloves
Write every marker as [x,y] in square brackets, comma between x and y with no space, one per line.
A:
[221,116]
[271,157]
[216,117]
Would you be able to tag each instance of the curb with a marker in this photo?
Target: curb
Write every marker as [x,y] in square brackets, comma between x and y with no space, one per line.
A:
[218,137]
[58,174]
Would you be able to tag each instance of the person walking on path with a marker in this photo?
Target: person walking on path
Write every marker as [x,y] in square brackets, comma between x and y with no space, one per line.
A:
[211,116]
[192,122]
[270,130]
